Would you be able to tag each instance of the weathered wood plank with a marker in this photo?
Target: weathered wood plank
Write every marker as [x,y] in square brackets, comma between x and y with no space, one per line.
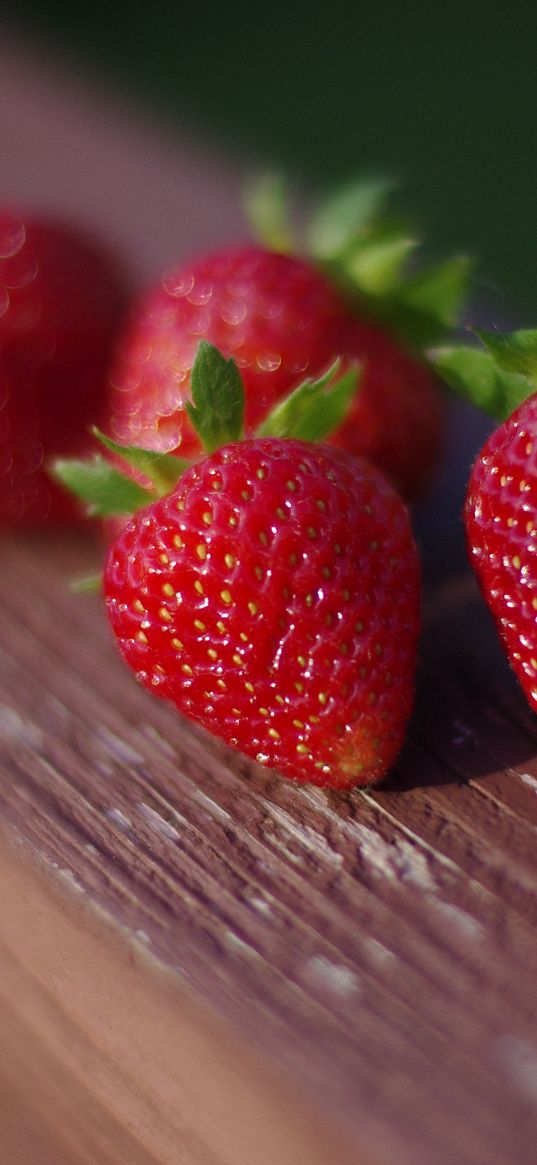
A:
[106,1057]
[379,945]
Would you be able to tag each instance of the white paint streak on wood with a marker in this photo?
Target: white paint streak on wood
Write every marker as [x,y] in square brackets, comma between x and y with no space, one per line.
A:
[234,942]
[528,780]
[158,823]
[281,844]
[436,855]
[117,747]
[404,859]
[143,937]
[14,727]
[336,978]
[398,861]
[313,841]
[118,819]
[519,1060]
[211,806]
[69,877]
[317,798]
[380,953]
[260,904]
[459,920]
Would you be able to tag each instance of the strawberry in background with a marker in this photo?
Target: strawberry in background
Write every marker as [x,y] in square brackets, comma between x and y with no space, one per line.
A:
[284,310]
[62,301]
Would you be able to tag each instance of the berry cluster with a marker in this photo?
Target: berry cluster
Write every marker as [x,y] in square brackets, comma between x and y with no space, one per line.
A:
[267,413]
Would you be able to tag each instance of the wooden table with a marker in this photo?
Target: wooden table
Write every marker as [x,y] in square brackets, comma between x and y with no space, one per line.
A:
[201,964]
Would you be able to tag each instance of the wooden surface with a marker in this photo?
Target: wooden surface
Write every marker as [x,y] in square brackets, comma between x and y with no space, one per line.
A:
[379,947]
[108,1057]
[366,962]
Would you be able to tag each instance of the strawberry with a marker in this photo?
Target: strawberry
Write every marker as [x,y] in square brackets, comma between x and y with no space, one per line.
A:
[281,317]
[500,510]
[273,594]
[61,303]
[272,597]
[501,531]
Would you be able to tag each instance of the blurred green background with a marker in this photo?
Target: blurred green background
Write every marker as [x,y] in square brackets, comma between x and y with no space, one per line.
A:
[442,96]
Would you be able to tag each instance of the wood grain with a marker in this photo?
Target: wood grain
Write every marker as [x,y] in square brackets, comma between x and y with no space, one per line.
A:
[106,1056]
[379,947]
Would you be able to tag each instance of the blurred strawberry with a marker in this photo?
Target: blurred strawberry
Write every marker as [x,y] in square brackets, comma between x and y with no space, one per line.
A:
[62,301]
[283,317]
[281,320]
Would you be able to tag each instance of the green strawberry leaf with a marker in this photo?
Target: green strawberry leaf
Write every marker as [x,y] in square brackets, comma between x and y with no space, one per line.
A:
[267,205]
[365,253]
[375,265]
[426,305]
[513,351]
[315,408]
[416,330]
[217,408]
[105,491]
[439,291]
[346,216]
[162,469]
[475,375]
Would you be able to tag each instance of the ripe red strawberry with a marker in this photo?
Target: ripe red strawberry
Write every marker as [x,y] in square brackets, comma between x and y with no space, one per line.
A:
[62,300]
[270,590]
[501,531]
[500,510]
[281,320]
[272,596]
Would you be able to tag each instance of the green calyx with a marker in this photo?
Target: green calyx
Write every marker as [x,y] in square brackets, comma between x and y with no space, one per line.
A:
[310,412]
[315,408]
[497,377]
[375,260]
[217,408]
[371,255]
